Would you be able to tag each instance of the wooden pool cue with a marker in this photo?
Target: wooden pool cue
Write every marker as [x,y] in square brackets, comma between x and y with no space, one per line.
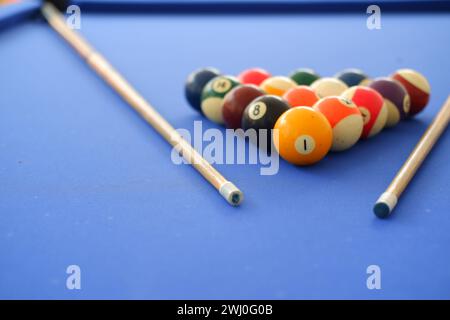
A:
[388,200]
[100,65]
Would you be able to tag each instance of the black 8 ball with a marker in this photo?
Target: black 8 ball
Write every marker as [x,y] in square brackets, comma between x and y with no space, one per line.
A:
[263,113]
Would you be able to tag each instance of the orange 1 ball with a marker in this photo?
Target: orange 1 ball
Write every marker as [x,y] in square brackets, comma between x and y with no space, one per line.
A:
[301,96]
[302,136]
[345,119]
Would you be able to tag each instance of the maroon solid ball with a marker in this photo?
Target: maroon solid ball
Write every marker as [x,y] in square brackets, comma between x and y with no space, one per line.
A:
[235,103]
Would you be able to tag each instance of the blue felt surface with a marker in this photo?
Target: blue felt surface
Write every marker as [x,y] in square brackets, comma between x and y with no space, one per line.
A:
[83,180]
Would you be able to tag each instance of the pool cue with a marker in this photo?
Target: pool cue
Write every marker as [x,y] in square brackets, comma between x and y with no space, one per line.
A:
[100,65]
[388,200]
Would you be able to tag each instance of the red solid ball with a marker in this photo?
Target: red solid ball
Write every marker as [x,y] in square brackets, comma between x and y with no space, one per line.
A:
[253,76]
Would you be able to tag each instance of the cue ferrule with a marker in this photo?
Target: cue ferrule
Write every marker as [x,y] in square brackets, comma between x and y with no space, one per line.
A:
[231,193]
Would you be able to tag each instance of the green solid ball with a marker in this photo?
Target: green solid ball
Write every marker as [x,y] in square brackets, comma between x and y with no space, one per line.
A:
[304,76]
[213,95]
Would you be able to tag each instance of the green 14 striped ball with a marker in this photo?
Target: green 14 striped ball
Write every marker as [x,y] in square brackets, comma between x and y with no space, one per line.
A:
[213,95]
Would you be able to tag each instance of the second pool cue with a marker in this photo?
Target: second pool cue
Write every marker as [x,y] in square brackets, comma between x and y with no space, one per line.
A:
[99,64]
[388,200]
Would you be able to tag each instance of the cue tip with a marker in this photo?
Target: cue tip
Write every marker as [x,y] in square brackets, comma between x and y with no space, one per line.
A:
[231,193]
[384,205]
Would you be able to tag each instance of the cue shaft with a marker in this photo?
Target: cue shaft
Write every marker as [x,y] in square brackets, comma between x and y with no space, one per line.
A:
[389,198]
[101,66]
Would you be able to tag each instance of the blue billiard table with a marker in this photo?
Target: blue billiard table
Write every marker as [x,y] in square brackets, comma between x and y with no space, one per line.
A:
[85,182]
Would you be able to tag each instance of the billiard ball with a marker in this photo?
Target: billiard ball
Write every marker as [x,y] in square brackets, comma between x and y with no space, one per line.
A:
[253,76]
[417,87]
[213,95]
[235,103]
[326,87]
[345,119]
[353,77]
[195,83]
[372,107]
[396,98]
[263,113]
[302,136]
[304,76]
[301,96]
[277,85]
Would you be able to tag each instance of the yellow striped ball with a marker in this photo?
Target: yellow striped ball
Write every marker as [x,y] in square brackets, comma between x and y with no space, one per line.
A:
[277,85]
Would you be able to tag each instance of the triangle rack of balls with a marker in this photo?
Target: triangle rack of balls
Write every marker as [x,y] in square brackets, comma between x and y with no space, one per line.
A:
[311,115]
